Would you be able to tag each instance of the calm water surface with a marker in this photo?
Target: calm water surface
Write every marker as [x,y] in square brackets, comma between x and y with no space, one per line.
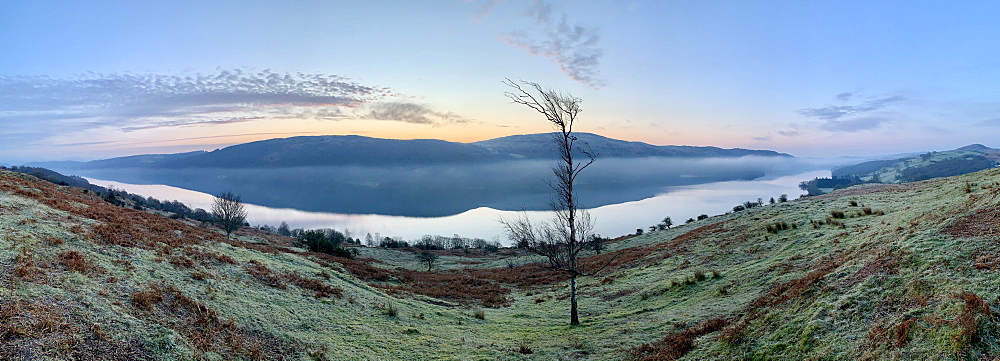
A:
[679,203]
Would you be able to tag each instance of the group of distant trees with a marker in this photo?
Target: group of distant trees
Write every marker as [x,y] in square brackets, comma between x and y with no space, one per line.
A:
[427,242]
[812,187]
[759,203]
[666,223]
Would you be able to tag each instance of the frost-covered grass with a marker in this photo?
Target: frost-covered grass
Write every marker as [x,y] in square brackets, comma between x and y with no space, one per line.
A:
[907,284]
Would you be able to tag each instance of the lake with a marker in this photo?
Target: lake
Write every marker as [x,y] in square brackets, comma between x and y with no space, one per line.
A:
[678,202]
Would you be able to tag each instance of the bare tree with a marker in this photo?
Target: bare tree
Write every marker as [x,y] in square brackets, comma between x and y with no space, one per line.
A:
[568,233]
[229,212]
[427,258]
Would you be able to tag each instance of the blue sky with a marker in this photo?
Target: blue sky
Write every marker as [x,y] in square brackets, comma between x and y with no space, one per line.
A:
[83,80]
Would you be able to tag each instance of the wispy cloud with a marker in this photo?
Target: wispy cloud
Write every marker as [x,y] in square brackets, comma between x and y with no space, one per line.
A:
[835,112]
[188,122]
[853,125]
[412,113]
[849,118]
[131,102]
[992,122]
[485,10]
[575,48]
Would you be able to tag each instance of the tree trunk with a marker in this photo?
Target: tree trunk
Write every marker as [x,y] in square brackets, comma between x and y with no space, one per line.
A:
[574,318]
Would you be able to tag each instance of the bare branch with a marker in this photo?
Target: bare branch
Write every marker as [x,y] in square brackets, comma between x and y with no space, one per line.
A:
[229,212]
[562,238]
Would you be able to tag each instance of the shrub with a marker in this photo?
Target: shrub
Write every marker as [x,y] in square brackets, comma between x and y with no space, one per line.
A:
[326,242]
[479,313]
[853,203]
[866,210]
[838,214]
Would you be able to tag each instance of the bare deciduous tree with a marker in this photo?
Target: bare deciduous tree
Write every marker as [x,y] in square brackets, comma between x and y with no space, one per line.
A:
[427,258]
[568,233]
[229,212]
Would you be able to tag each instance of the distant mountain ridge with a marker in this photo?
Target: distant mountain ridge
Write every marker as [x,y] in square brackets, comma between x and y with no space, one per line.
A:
[541,146]
[358,150]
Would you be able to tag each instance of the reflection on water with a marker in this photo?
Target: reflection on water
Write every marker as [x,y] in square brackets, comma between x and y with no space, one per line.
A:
[679,203]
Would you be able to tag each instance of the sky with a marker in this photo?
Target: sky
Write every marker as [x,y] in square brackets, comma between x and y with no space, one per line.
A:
[86,80]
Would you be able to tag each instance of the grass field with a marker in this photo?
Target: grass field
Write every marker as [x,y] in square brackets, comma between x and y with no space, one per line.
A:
[911,271]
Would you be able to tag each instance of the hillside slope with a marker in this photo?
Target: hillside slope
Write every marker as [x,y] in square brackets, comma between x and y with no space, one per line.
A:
[909,272]
[925,166]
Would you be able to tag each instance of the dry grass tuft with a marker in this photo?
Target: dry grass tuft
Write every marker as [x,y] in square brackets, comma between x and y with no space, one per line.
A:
[975,316]
[45,329]
[76,261]
[322,289]
[885,263]
[264,275]
[205,329]
[676,345]
[984,223]
[27,269]
[785,291]
[278,280]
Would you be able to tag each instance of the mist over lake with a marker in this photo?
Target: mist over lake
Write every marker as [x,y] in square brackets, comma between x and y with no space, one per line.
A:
[677,202]
[445,189]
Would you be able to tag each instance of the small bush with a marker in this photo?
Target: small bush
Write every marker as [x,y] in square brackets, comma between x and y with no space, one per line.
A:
[866,210]
[479,313]
[524,349]
[853,203]
[838,214]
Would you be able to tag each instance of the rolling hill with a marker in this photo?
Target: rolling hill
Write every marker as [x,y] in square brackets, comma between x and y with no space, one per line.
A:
[925,166]
[355,150]
[539,146]
[888,272]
